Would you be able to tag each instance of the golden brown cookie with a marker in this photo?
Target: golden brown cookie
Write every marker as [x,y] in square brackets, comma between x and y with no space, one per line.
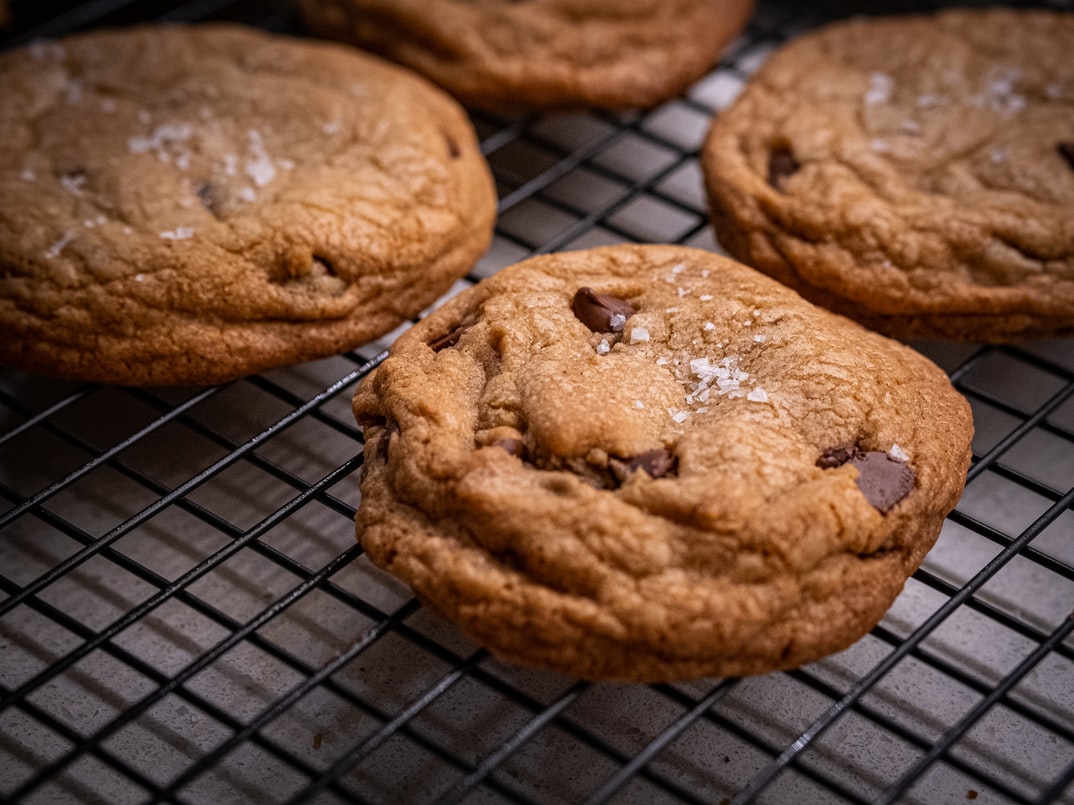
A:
[916,173]
[650,462]
[190,205]
[542,53]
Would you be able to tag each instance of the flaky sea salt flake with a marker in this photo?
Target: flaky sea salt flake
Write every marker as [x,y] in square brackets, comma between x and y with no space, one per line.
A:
[57,247]
[179,233]
[898,453]
[73,183]
[259,167]
[881,88]
[638,335]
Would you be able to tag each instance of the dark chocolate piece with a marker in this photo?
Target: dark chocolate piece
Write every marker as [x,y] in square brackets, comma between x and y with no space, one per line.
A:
[781,164]
[658,463]
[1066,151]
[600,312]
[448,339]
[882,479]
[207,196]
[836,456]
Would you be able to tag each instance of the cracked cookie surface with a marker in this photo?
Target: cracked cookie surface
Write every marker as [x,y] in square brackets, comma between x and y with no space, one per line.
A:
[915,173]
[645,463]
[542,53]
[194,204]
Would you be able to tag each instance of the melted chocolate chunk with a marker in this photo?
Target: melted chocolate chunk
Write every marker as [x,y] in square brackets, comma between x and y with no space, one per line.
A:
[883,480]
[207,195]
[1066,151]
[376,450]
[781,164]
[658,463]
[600,312]
[448,339]
[836,456]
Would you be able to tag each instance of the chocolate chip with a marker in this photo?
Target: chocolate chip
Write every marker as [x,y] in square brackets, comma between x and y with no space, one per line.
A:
[376,446]
[883,480]
[1066,151]
[657,463]
[600,312]
[836,456]
[781,164]
[207,194]
[448,339]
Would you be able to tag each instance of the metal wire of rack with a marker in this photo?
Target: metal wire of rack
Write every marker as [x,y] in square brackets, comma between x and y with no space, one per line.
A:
[186,616]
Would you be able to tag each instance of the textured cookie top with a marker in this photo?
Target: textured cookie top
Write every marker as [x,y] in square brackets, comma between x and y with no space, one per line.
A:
[649,462]
[542,53]
[194,204]
[917,172]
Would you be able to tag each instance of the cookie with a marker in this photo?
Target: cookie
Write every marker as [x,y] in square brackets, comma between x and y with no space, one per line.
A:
[916,173]
[555,53]
[644,463]
[193,204]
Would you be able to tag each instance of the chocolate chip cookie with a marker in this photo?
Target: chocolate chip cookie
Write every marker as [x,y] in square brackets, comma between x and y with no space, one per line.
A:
[189,205]
[649,463]
[916,173]
[553,53]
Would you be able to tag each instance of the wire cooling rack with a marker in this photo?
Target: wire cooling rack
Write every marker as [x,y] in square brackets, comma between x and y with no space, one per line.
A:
[186,616]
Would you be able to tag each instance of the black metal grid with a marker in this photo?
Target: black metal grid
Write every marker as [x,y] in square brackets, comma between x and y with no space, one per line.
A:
[186,615]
